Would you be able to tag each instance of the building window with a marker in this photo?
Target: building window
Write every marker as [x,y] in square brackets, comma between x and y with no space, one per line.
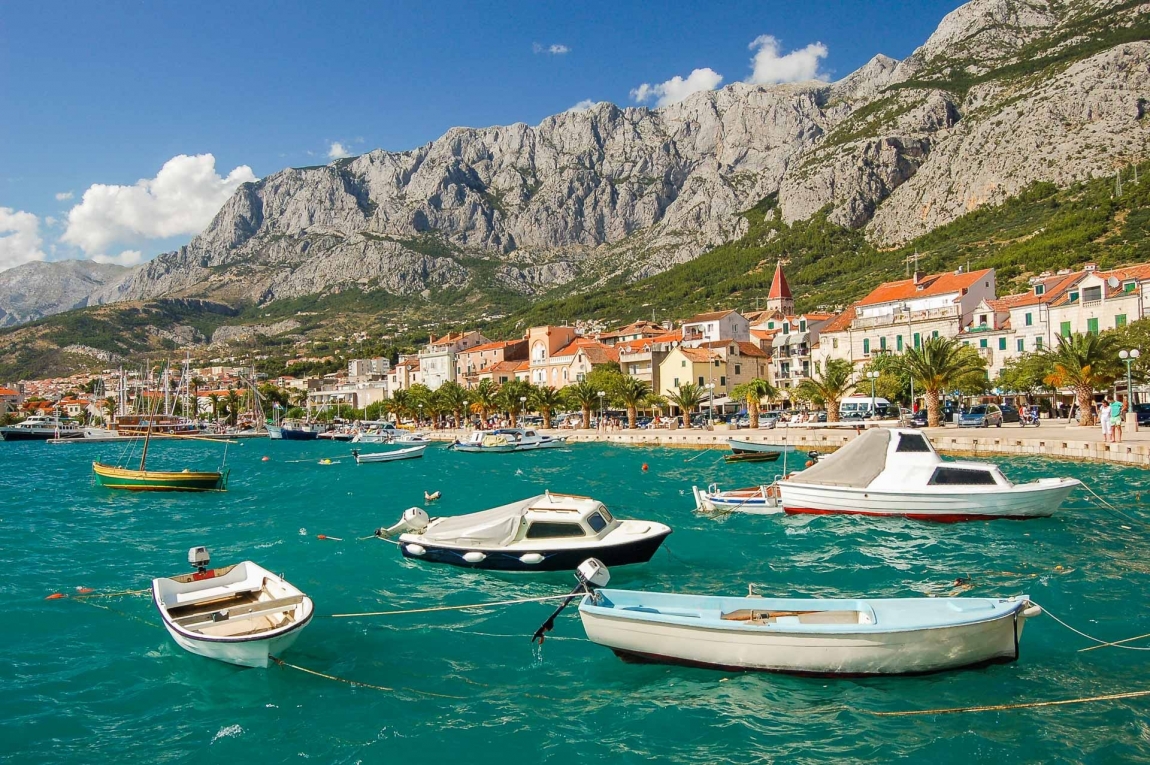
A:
[786,328]
[738,369]
[898,343]
[1129,286]
[982,320]
[1038,343]
[866,346]
[802,325]
[1002,343]
[1092,326]
[1073,297]
[917,339]
[934,333]
[1030,320]
[770,325]
[1120,320]
[722,382]
[834,342]
[676,385]
[882,343]
[683,363]
[1039,289]
[1020,345]
[1090,294]
[702,382]
[982,343]
[1065,329]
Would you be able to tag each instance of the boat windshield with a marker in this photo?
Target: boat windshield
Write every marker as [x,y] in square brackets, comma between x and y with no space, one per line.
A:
[552,530]
[596,522]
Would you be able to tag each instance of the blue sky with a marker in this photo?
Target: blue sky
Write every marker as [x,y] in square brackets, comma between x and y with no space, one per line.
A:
[107,93]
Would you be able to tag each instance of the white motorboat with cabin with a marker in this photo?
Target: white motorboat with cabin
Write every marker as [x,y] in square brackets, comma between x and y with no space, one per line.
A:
[851,636]
[41,427]
[548,532]
[508,440]
[896,471]
[239,614]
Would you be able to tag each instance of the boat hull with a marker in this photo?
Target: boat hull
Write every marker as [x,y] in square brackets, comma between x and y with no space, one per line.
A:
[288,434]
[1018,502]
[568,559]
[243,653]
[475,448]
[410,453]
[153,480]
[751,447]
[36,434]
[275,432]
[869,652]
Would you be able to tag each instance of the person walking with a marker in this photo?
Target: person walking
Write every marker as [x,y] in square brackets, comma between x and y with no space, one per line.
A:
[1104,420]
[1117,412]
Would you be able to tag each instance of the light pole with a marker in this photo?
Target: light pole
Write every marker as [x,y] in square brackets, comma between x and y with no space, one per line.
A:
[711,399]
[420,416]
[1130,357]
[909,345]
[872,376]
[602,393]
[522,404]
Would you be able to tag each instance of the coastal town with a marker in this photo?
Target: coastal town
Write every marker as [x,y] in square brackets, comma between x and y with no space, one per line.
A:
[715,352]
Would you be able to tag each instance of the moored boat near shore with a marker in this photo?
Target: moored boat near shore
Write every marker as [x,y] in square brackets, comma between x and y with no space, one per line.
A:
[508,440]
[112,477]
[41,427]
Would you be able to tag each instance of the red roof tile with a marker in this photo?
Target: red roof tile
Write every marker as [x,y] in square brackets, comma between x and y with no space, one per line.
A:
[779,287]
[933,284]
[841,322]
[712,316]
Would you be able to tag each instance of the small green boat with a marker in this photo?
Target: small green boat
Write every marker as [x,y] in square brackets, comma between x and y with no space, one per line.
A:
[111,477]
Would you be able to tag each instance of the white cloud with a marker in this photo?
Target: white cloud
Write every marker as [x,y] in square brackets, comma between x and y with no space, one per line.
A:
[769,68]
[676,89]
[125,258]
[582,106]
[20,240]
[64,196]
[337,151]
[182,199]
[551,50]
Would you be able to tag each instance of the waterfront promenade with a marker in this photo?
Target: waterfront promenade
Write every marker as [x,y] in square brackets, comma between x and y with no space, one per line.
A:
[1055,438]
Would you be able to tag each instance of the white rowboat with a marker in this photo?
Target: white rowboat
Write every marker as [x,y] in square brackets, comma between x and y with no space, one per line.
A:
[409,453]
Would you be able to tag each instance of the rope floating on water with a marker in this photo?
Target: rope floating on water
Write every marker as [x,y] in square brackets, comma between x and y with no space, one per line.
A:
[357,683]
[492,604]
[1006,707]
[1115,643]
[1108,505]
[1102,643]
[86,593]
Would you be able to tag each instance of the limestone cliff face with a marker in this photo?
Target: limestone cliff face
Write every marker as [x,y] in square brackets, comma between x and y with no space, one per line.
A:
[1004,93]
[34,290]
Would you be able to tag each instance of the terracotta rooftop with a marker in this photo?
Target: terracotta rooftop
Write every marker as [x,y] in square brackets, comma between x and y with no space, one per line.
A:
[712,316]
[932,284]
[506,366]
[9,392]
[699,355]
[779,287]
[841,322]
[495,346]
[596,352]
[751,349]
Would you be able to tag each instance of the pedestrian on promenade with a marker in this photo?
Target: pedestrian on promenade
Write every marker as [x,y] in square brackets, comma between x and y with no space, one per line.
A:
[1117,412]
[1104,420]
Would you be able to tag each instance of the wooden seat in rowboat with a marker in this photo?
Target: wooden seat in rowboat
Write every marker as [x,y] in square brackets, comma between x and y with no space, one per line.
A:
[757,616]
[251,610]
[215,602]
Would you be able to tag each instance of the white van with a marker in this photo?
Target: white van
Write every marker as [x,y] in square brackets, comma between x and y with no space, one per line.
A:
[858,407]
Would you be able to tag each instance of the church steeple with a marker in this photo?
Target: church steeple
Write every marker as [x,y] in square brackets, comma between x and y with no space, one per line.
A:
[780,298]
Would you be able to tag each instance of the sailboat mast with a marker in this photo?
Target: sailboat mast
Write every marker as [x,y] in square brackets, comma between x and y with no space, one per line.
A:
[148,434]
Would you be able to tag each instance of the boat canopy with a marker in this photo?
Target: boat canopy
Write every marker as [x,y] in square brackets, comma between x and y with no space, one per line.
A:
[500,525]
[854,465]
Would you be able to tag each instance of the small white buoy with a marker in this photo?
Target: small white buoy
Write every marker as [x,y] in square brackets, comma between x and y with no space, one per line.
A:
[475,557]
[415,549]
[531,558]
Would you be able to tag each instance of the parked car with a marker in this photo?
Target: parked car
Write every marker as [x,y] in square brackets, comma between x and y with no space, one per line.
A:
[768,420]
[1010,413]
[981,416]
[1143,412]
[643,422]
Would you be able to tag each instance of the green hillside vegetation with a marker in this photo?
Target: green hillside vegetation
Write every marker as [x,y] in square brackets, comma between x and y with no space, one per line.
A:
[1042,229]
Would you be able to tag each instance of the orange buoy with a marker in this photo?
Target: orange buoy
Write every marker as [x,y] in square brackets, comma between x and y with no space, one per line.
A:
[84,590]
[644,467]
[56,596]
[266,459]
[325,536]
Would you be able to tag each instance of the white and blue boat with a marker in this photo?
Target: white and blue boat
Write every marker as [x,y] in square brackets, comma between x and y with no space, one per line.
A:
[869,636]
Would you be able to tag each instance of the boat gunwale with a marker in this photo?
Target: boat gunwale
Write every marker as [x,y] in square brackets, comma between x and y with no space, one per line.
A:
[202,638]
[598,544]
[112,471]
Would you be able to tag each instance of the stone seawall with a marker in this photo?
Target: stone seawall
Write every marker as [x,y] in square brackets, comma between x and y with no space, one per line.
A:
[1059,441]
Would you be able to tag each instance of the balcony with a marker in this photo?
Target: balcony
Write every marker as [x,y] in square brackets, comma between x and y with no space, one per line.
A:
[904,317]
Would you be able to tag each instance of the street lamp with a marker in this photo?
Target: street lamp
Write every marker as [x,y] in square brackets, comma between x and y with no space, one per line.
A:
[872,376]
[909,345]
[420,415]
[1129,357]
[711,410]
[522,404]
[602,393]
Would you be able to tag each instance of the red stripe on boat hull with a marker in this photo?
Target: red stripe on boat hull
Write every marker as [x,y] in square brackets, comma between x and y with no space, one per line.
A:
[933,517]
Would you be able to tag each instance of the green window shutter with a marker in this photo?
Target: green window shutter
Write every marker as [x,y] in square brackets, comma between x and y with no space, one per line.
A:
[898,343]
[1002,343]
[1129,286]
[1020,345]
[934,333]
[1038,343]
[1064,329]
[982,343]
[917,339]
[1092,326]
[866,345]
[1120,320]
[1029,319]
[676,385]
[882,343]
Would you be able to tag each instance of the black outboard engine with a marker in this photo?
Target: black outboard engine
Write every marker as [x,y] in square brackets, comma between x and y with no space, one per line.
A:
[590,574]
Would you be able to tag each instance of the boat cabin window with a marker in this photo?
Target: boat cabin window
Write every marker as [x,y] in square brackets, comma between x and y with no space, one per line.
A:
[606,514]
[549,530]
[911,442]
[951,476]
[596,522]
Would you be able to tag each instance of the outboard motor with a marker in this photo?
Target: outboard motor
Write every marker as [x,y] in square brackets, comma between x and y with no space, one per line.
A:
[199,558]
[591,573]
[813,456]
[414,521]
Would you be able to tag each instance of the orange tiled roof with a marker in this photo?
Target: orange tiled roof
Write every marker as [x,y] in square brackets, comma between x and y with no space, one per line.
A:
[933,284]
[779,286]
[712,316]
[596,352]
[9,392]
[842,321]
[495,346]
[751,349]
[699,355]
[764,334]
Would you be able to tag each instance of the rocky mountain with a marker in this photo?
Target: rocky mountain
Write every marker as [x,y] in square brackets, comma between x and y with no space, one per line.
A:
[1004,93]
[38,289]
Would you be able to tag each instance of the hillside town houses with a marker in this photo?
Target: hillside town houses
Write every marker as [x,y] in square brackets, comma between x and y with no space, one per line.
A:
[717,350]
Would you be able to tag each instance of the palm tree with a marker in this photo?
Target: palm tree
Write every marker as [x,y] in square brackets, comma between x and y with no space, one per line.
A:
[233,404]
[1085,363]
[941,363]
[109,410]
[419,400]
[483,397]
[633,392]
[687,396]
[453,397]
[545,400]
[585,396]
[509,397]
[829,387]
[400,404]
[753,392]
[214,398]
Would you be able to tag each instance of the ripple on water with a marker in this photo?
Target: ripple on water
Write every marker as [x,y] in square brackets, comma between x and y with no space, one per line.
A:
[89,684]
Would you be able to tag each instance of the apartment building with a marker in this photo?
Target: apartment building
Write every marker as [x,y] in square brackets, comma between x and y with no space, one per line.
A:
[542,344]
[643,358]
[715,326]
[470,365]
[437,361]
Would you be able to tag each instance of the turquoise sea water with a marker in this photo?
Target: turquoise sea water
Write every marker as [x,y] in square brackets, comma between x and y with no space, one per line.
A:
[87,684]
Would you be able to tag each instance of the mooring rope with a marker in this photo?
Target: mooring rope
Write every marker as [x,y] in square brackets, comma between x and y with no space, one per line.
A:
[1005,707]
[490,604]
[1109,506]
[357,683]
[1102,643]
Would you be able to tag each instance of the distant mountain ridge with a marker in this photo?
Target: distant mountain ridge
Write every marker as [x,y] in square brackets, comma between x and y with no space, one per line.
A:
[34,290]
[1003,94]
